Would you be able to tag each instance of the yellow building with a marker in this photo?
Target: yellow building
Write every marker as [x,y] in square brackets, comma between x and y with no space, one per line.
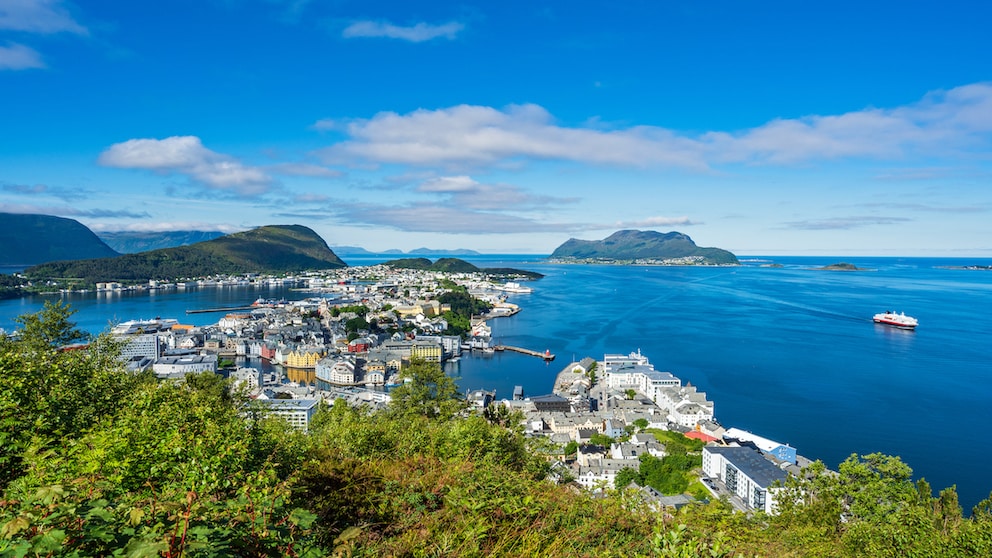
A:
[305,357]
[431,352]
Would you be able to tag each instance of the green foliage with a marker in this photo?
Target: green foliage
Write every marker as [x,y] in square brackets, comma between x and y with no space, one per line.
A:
[186,468]
[600,439]
[426,390]
[97,462]
[51,396]
[271,249]
[632,245]
[463,307]
[356,324]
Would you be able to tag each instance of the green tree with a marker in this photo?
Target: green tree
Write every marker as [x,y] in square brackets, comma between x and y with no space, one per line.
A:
[600,439]
[426,390]
[626,476]
[50,396]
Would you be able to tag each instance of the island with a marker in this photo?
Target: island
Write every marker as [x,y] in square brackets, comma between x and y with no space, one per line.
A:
[841,266]
[643,248]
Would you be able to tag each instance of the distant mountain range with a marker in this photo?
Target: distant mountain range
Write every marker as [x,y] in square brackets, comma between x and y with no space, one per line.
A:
[269,249]
[642,245]
[28,239]
[131,242]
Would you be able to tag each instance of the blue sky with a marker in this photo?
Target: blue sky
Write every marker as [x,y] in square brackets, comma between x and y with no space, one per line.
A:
[772,127]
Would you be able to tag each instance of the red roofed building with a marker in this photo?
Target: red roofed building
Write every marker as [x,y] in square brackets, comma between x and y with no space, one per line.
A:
[700,436]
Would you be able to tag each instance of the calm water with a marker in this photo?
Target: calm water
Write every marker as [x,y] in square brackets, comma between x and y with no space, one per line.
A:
[789,353]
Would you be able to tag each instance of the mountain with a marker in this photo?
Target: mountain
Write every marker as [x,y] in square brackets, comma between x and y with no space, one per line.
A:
[351,251]
[269,249]
[28,239]
[634,245]
[132,242]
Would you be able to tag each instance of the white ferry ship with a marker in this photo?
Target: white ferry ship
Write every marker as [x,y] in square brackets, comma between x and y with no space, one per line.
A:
[900,320]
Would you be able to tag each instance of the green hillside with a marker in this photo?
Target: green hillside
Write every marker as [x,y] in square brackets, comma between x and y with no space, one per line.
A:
[269,249]
[28,239]
[456,265]
[95,461]
[639,245]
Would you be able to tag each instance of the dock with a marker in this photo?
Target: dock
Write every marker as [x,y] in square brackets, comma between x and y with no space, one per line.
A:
[228,309]
[546,355]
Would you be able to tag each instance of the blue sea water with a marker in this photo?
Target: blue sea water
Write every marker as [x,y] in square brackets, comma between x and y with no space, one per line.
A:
[789,353]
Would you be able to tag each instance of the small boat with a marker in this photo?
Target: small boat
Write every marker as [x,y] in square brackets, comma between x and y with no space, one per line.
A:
[900,320]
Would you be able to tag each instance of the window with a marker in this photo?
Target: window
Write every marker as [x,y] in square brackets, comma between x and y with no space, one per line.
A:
[758,500]
[731,477]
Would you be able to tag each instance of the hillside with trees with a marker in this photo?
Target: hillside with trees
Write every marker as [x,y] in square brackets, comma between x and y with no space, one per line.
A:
[269,249]
[456,265]
[98,462]
[629,245]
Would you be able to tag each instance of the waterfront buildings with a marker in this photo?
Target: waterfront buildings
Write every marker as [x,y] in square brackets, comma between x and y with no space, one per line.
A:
[745,473]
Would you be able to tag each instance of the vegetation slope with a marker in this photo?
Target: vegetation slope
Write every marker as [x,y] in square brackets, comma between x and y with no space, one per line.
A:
[457,265]
[634,245]
[269,249]
[97,462]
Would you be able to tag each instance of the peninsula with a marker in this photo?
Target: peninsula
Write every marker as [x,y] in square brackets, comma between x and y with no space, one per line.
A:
[642,247]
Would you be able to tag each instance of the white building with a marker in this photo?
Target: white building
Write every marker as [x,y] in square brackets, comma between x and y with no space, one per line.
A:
[179,366]
[297,412]
[746,473]
[635,372]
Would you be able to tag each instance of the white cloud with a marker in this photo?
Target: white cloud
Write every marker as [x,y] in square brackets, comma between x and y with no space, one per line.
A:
[71,211]
[654,222]
[418,33]
[845,223]
[463,191]
[429,217]
[165,226]
[15,56]
[186,155]
[304,169]
[475,135]
[38,16]
[950,123]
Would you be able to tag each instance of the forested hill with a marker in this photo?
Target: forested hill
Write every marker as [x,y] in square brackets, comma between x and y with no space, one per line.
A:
[639,245]
[269,249]
[456,265]
[28,239]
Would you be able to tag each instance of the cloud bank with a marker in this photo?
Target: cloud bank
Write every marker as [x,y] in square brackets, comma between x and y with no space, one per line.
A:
[957,122]
[187,156]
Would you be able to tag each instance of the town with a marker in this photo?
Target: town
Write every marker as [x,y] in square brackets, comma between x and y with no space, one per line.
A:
[351,339]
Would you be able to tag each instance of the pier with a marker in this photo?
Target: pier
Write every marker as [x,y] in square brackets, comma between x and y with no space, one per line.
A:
[228,309]
[546,355]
